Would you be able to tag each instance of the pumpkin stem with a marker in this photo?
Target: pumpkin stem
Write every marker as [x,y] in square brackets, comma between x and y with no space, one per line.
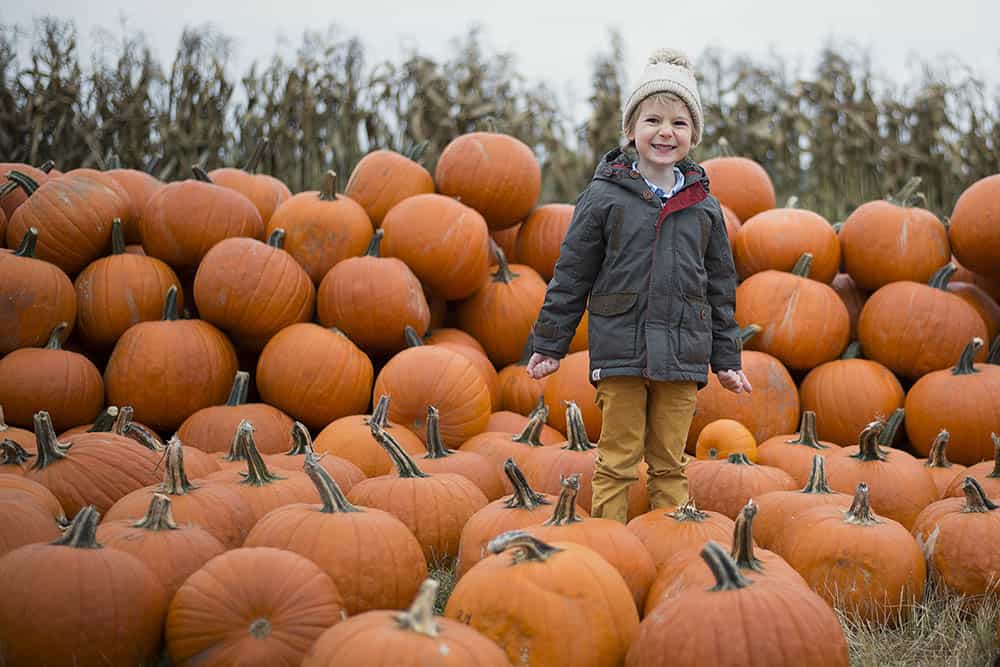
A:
[860,513]
[503,274]
[159,516]
[577,440]
[47,166]
[938,456]
[890,428]
[792,202]
[941,277]
[743,539]
[302,444]
[817,477]
[993,355]
[170,305]
[740,459]
[19,179]
[330,494]
[435,447]
[405,466]
[803,266]
[966,361]
[416,151]
[235,452]
[868,449]
[807,432]
[328,191]
[540,407]
[996,455]
[257,473]
[528,547]
[531,434]
[374,245]
[11,453]
[239,390]
[26,248]
[258,152]
[688,512]
[200,174]
[123,420]
[565,511]
[524,497]
[380,413]
[727,573]
[420,616]
[748,332]
[723,148]
[852,351]
[82,532]
[48,448]
[175,480]
[277,238]
[902,197]
[975,497]
[117,237]
[411,336]
[55,338]
[143,436]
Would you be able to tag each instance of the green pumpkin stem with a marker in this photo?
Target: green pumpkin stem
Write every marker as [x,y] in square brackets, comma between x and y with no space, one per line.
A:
[724,568]
[503,274]
[891,428]
[527,547]
[576,431]
[743,539]
[748,332]
[175,480]
[26,248]
[688,512]
[12,453]
[117,237]
[143,436]
[817,477]
[239,390]
[904,196]
[257,473]
[941,277]
[277,238]
[531,434]
[258,153]
[170,305]
[302,444]
[380,413]
[328,191]
[564,513]
[993,356]
[405,465]
[807,432]
[967,359]
[524,497]
[740,459]
[330,494]
[434,444]
[55,338]
[200,174]
[105,421]
[852,351]
[374,246]
[860,512]
[975,497]
[82,531]
[868,447]
[419,617]
[938,456]
[47,446]
[411,337]
[159,516]
[803,266]
[19,179]
[416,151]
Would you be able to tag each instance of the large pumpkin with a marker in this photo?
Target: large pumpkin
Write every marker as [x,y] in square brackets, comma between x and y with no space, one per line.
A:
[140,186]
[541,235]
[11,194]
[572,383]
[740,184]
[383,178]
[794,453]
[974,230]
[775,239]
[266,192]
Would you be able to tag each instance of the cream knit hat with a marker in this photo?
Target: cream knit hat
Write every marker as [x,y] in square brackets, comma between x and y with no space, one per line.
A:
[668,71]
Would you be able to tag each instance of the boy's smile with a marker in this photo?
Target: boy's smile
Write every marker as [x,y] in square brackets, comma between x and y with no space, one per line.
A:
[662,136]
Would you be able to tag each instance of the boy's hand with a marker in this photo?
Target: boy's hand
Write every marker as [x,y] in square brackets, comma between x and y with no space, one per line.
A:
[735,381]
[539,366]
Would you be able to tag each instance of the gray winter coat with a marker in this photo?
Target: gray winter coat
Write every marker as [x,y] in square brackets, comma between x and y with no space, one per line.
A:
[660,279]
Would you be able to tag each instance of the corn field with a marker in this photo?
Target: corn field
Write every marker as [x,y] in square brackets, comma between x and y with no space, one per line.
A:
[834,137]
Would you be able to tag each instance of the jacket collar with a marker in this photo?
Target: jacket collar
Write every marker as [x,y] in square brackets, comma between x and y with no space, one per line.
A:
[616,167]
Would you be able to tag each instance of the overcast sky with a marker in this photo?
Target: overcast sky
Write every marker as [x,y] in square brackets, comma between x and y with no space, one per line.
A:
[555,40]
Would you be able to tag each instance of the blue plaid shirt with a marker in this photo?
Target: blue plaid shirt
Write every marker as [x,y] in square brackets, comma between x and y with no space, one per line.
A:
[660,192]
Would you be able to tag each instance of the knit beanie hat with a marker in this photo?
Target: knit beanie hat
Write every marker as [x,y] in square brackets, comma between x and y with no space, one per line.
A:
[668,71]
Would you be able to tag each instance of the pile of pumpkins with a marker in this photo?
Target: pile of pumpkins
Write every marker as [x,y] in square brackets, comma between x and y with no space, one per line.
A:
[277,412]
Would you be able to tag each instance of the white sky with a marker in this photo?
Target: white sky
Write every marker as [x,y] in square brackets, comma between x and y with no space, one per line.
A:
[555,40]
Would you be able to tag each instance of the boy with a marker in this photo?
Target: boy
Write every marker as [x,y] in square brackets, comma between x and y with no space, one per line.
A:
[648,244]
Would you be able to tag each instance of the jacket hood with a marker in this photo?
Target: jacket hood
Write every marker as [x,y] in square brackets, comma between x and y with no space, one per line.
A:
[616,167]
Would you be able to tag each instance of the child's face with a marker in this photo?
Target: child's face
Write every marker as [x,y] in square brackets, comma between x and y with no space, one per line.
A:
[662,133]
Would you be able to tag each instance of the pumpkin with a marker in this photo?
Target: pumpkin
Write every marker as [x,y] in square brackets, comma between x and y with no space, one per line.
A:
[502,312]
[169,369]
[451,335]
[772,407]
[794,453]
[775,239]
[519,392]
[184,219]
[434,507]
[528,594]
[974,228]
[506,240]
[572,383]
[740,184]
[345,473]
[943,472]
[65,383]
[24,520]
[803,322]
[11,194]
[989,284]
[852,296]
[351,438]
[723,437]
[21,436]
[112,593]
[890,240]
[984,304]
[383,178]
[848,393]
[444,242]
[666,534]
[314,374]
[725,486]
[408,639]
[498,446]
[72,214]
[251,606]
[214,506]
[265,192]
[139,186]
[439,459]
[506,421]
[172,551]
[869,567]
[986,473]
[541,235]
[478,359]
[371,556]
[42,496]
[372,299]
[722,625]
[211,429]
[494,173]
[322,228]
[936,325]
[964,399]
[37,296]
[120,290]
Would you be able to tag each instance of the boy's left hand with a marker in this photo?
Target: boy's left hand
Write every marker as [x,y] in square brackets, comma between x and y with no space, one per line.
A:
[735,381]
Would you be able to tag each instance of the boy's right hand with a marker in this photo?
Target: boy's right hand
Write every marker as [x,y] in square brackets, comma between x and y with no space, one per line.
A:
[540,365]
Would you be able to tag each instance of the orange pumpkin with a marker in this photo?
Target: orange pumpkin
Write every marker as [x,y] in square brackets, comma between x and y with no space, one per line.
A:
[572,383]
[140,186]
[852,296]
[986,473]
[541,236]
[944,472]
[474,467]
[723,437]
[666,534]
[11,194]
[794,452]
[383,178]
[974,229]
[266,192]
[740,184]
[777,238]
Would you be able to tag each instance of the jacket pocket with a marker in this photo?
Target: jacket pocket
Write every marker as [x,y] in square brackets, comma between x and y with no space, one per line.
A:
[612,326]
[694,345]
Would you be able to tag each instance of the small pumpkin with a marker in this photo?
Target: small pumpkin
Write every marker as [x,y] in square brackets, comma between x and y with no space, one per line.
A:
[723,437]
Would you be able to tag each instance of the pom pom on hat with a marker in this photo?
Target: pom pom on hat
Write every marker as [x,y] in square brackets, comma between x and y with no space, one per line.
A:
[667,71]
